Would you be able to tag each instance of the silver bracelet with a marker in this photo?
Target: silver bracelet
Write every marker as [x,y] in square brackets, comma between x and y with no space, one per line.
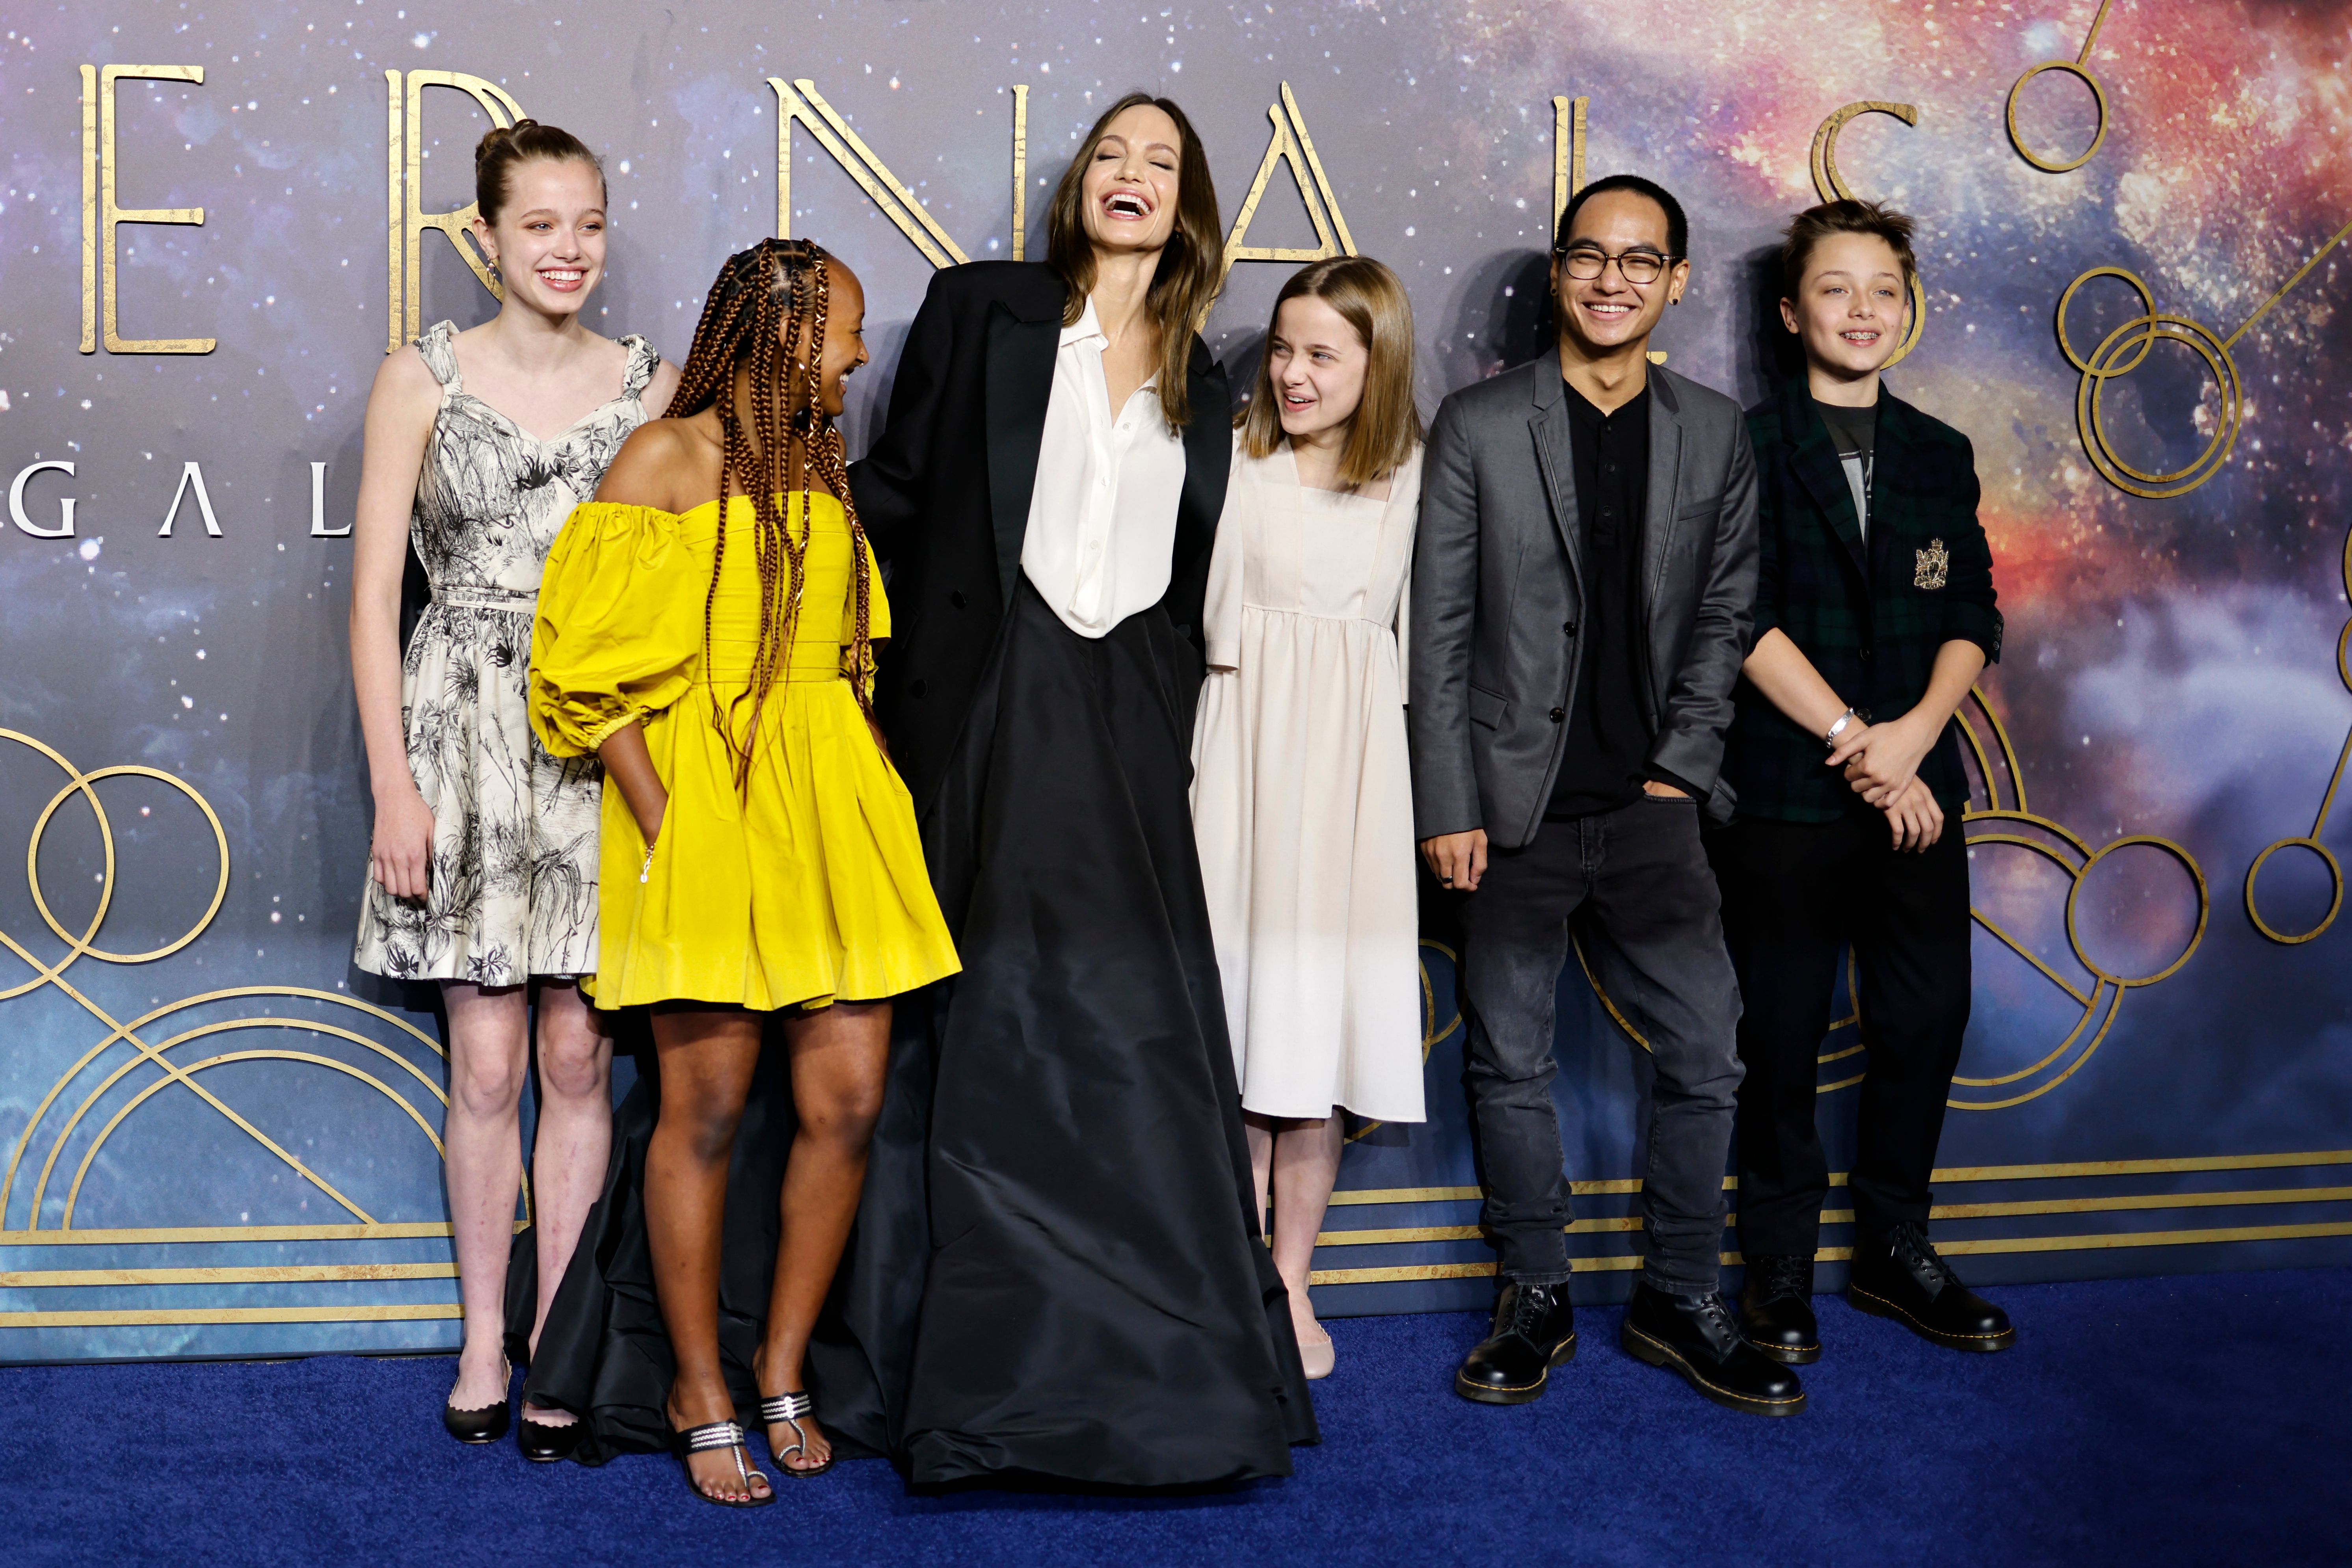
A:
[1839,728]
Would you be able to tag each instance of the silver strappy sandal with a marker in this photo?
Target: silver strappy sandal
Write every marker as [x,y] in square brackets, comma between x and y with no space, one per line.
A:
[786,1410]
[720,1434]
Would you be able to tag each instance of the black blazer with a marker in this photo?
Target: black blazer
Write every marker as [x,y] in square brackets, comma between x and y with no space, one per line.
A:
[944,494]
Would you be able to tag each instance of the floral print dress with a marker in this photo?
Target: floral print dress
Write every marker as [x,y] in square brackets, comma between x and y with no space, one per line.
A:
[513,871]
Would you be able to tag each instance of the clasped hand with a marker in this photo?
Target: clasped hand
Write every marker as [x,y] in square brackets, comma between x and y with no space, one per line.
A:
[1882,763]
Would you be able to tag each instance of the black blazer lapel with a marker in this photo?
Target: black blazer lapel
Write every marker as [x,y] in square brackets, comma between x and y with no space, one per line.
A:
[1664,501]
[1813,459]
[1020,381]
[1208,455]
[1555,455]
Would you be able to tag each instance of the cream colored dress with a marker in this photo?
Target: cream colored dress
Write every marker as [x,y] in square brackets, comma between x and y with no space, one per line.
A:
[1302,796]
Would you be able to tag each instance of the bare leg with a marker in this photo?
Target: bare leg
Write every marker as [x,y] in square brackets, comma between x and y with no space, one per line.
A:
[1260,1132]
[706,1061]
[575,1138]
[838,1054]
[1306,1166]
[483,1165]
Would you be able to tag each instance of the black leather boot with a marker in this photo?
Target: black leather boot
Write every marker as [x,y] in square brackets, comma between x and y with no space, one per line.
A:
[1695,1336]
[1900,1275]
[1776,1308]
[1535,1331]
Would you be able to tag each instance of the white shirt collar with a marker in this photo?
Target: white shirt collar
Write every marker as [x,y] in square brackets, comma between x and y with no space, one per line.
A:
[1086,329]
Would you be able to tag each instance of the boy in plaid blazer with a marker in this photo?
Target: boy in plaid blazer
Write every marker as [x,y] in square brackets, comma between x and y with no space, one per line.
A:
[1874,614]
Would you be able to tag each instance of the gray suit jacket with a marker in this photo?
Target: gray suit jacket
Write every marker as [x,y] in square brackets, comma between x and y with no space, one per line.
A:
[1497,596]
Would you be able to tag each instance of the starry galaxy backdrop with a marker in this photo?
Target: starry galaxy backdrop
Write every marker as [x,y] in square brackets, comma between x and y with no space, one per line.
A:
[2171,668]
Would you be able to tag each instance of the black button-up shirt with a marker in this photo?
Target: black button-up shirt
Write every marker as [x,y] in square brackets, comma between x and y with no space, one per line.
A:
[1609,729]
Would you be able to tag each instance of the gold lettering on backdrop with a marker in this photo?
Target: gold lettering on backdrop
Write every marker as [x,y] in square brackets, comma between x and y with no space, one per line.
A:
[1832,187]
[889,192]
[100,216]
[319,529]
[1292,145]
[2079,67]
[1019,171]
[65,527]
[407,219]
[1567,155]
[192,477]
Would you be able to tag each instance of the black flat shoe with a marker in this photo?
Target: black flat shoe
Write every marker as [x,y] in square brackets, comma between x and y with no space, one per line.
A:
[543,1444]
[1695,1336]
[1535,1331]
[718,1434]
[786,1410]
[1776,1308]
[487,1425]
[1900,1275]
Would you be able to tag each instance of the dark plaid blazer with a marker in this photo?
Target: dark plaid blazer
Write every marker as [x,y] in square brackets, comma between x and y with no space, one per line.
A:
[1870,618]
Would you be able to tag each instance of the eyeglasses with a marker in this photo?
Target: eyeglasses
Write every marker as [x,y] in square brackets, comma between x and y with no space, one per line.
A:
[1587,262]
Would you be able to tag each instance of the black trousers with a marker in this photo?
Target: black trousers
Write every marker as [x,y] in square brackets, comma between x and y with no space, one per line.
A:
[1635,881]
[1795,895]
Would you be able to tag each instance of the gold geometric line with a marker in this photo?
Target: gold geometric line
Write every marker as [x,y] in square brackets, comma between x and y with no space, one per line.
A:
[2054,978]
[134,1317]
[73,1193]
[1459,1232]
[9,1181]
[2138,1201]
[2114,1010]
[271,1274]
[1987,1248]
[2184,1164]
[171,1071]
[2301,273]
[56,1146]
[170,1236]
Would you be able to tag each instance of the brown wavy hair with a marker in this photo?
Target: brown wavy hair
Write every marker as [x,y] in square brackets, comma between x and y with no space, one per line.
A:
[1386,425]
[1190,268]
[1816,224]
[769,307]
[502,149]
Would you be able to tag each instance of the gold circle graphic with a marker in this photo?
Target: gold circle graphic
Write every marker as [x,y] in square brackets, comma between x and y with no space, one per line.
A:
[81,783]
[2335,897]
[2124,350]
[2017,138]
[2074,891]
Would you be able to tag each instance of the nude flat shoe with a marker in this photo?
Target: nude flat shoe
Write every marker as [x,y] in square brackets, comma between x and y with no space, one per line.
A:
[1316,1357]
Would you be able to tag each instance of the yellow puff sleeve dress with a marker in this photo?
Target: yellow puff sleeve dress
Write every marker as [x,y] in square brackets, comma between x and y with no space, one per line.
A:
[810,885]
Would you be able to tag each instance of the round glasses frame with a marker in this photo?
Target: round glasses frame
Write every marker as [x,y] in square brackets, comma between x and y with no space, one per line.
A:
[1640,268]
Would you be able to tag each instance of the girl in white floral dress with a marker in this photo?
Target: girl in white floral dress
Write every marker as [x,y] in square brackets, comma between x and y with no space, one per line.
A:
[482,870]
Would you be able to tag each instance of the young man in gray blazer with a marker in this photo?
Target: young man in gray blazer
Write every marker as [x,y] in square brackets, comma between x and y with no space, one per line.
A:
[1582,586]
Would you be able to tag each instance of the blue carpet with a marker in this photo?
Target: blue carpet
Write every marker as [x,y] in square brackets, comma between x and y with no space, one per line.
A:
[2185,1420]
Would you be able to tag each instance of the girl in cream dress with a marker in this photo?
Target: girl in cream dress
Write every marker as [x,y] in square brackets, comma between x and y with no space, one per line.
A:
[1302,798]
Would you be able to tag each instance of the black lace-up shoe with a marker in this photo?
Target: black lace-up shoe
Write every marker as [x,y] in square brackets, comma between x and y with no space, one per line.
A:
[1776,1308]
[1898,1276]
[1695,1336]
[1535,1331]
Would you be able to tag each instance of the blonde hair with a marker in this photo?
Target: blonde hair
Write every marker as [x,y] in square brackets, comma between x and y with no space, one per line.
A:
[1386,425]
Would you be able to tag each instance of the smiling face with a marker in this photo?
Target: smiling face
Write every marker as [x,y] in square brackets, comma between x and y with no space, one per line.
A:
[845,337]
[1852,307]
[1317,362]
[549,242]
[1129,190]
[1607,312]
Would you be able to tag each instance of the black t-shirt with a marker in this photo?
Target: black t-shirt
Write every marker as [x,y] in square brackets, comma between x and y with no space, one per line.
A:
[1854,430]
[1609,730]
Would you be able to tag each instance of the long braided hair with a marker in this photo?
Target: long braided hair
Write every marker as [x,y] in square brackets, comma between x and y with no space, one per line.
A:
[768,305]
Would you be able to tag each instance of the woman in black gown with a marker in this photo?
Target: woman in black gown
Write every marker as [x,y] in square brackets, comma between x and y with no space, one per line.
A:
[1058,1270]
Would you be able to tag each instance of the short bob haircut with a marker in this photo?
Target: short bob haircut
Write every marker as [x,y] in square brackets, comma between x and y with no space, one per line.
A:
[1190,268]
[1386,426]
[1816,224]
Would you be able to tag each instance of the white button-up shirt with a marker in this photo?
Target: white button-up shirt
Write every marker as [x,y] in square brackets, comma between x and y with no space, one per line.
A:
[1102,518]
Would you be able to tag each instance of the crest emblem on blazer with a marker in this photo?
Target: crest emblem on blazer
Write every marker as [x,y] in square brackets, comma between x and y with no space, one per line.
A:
[1933,563]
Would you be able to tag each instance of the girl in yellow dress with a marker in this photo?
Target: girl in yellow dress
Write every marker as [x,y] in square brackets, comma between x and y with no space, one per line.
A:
[707,626]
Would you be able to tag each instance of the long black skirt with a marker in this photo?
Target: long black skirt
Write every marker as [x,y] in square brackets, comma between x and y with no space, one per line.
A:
[1057,1270]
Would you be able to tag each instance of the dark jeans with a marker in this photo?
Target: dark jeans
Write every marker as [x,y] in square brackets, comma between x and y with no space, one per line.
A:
[1794,894]
[1637,879]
